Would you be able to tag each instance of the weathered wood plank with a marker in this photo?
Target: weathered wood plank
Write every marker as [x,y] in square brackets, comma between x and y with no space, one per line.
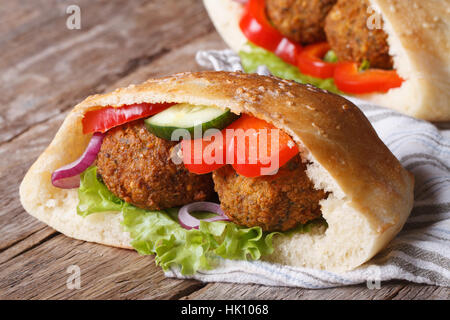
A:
[29,242]
[48,67]
[388,290]
[15,159]
[413,291]
[105,273]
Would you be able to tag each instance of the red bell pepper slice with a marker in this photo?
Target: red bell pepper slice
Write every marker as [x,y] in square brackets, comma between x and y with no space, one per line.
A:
[256,27]
[239,145]
[349,79]
[101,120]
[205,155]
[249,159]
[310,62]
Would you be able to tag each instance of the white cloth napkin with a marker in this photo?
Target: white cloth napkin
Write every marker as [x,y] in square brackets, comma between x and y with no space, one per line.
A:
[420,252]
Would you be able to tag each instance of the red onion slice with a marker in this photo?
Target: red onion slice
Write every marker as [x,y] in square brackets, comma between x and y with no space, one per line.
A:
[187,221]
[241,1]
[68,176]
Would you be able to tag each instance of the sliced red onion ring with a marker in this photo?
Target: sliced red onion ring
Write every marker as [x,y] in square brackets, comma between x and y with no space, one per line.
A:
[68,176]
[187,221]
[241,1]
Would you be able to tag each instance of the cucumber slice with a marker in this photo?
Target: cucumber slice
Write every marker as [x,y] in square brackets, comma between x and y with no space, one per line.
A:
[187,116]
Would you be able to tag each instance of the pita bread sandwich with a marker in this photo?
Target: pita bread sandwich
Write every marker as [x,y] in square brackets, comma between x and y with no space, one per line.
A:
[393,53]
[280,171]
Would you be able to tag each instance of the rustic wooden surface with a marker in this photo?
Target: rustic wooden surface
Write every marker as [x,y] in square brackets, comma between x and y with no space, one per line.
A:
[45,70]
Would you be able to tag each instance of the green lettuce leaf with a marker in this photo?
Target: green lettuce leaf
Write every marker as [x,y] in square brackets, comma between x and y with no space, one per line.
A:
[94,196]
[159,233]
[253,56]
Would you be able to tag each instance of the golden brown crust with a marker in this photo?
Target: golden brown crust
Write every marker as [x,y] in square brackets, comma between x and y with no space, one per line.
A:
[135,165]
[274,202]
[300,20]
[350,37]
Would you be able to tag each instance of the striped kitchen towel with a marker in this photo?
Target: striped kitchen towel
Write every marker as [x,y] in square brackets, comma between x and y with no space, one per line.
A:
[420,252]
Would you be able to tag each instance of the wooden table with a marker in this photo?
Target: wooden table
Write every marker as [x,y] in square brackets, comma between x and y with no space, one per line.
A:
[46,69]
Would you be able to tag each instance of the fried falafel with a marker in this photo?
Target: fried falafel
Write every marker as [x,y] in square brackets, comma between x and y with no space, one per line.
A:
[300,20]
[275,203]
[135,165]
[350,37]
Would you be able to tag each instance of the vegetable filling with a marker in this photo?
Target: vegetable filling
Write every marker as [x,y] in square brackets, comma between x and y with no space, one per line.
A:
[130,170]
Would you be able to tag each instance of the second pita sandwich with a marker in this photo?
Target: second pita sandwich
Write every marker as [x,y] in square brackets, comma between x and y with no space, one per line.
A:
[393,53]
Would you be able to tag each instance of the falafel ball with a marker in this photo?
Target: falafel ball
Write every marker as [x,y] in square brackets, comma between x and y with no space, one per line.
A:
[275,203]
[350,37]
[300,20]
[135,165]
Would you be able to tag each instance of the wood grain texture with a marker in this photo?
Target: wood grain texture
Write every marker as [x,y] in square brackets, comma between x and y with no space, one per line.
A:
[388,290]
[45,70]
[105,273]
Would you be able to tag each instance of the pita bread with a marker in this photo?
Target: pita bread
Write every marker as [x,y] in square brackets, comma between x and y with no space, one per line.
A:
[419,42]
[371,194]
